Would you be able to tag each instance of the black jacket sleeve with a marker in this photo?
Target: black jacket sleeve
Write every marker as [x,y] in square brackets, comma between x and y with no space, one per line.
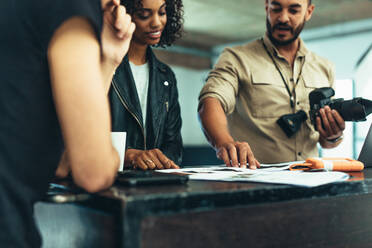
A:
[172,143]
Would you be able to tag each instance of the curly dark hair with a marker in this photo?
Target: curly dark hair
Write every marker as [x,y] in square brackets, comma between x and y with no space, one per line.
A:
[173,29]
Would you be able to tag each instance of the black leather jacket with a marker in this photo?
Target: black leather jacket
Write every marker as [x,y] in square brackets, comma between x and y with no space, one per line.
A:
[163,125]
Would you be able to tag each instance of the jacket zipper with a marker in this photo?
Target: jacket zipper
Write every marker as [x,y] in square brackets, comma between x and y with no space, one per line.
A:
[135,117]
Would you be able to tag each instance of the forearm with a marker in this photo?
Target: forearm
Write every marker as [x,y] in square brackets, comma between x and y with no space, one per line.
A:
[329,144]
[115,39]
[79,98]
[214,122]
[107,70]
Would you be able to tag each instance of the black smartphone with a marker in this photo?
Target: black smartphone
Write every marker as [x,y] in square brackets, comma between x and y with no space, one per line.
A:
[135,178]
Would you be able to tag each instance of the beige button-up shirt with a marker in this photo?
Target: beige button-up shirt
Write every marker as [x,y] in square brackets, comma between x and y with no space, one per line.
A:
[254,97]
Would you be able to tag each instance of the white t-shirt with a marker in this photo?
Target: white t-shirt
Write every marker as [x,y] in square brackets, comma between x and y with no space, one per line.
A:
[141,77]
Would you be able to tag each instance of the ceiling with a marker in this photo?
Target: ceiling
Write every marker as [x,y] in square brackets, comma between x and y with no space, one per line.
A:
[213,22]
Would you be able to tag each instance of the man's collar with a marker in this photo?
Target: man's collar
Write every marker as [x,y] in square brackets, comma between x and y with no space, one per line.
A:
[302,51]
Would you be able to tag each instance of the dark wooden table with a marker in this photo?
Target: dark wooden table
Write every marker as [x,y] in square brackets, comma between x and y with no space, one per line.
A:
[214,214]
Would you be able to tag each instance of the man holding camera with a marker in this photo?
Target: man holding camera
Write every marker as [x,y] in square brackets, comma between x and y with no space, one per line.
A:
[254,85]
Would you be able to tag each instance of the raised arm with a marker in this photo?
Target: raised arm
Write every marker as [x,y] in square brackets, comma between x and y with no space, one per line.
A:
[81,102]
[116,35]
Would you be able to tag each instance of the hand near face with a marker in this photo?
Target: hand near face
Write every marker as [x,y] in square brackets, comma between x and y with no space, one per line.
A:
[116,32]
[149,160]
[237,154]
[330,123]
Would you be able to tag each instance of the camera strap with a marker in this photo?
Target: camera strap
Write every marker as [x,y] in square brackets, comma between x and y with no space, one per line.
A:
[291,97]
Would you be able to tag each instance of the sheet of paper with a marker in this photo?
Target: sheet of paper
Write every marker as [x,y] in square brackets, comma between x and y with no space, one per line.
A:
[277,174]
[224,168]
[299,178]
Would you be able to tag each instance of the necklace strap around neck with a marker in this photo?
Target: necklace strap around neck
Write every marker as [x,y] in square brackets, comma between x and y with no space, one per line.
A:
[291,97]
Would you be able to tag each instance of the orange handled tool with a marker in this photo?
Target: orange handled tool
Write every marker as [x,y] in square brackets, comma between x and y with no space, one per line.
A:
[329,164]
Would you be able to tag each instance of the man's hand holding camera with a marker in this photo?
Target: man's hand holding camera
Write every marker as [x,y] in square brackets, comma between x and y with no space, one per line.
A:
[330,125]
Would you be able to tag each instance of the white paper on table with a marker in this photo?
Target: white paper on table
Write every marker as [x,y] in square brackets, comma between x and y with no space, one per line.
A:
[299,178]
[118,142]
[224,168]
[268,173]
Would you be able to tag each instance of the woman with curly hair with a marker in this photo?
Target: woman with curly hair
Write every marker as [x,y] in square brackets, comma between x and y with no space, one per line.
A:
[143,94]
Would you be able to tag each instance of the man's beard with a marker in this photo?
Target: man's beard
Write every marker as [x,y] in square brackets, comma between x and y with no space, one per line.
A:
[296,32]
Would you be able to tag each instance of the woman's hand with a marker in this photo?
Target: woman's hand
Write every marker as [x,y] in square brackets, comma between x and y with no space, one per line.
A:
[149,160]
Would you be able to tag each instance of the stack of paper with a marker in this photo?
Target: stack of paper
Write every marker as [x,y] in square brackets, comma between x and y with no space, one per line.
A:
[273,173]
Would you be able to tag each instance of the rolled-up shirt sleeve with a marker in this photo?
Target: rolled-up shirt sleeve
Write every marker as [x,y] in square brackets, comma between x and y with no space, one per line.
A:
[223,81]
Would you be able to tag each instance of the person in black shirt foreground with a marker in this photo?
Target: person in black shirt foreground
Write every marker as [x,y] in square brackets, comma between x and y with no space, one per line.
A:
[55,75]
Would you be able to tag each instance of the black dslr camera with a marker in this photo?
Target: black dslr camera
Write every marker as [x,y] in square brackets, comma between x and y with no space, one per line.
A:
[356,109]
[291,123]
